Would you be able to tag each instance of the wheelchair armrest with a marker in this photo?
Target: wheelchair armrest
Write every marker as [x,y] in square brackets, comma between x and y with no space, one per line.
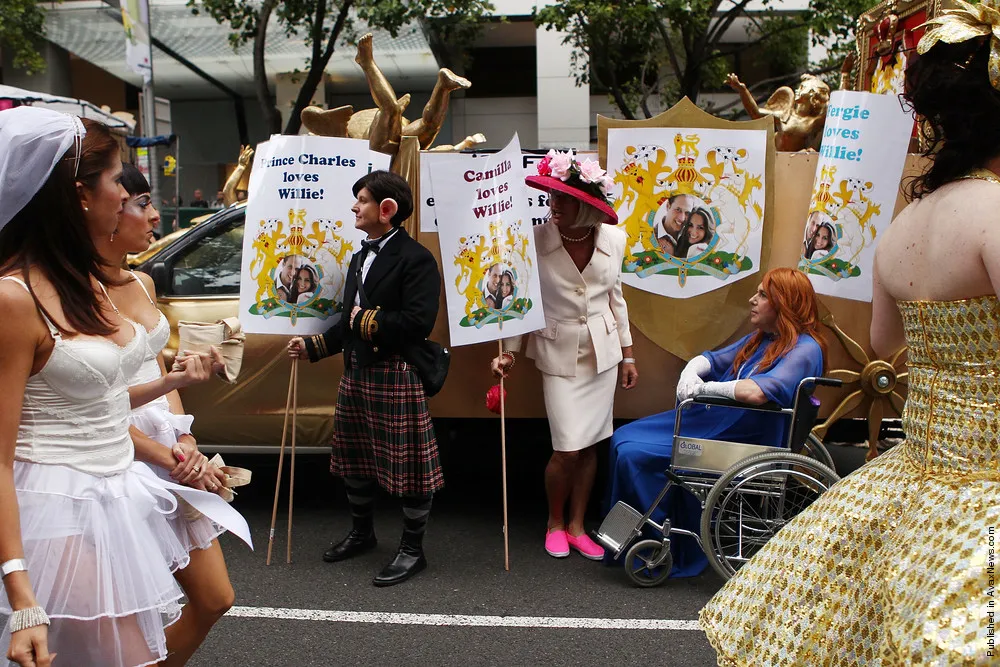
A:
[770,406]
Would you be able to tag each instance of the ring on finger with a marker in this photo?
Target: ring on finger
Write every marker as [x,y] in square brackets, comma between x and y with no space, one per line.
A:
[197,468]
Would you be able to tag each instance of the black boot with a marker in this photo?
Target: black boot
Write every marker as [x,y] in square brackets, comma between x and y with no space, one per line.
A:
[361,498]
[356,543]
[409,561]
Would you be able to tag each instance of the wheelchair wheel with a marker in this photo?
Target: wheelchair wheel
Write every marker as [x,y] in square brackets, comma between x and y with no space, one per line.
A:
[639,559]
[753,500]
[814,448]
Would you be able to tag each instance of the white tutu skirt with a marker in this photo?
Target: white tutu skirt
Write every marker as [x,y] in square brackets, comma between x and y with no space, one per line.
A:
[193,529]
[101,555]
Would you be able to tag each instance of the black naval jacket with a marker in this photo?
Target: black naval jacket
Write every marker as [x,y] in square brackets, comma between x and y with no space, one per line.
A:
[402,289]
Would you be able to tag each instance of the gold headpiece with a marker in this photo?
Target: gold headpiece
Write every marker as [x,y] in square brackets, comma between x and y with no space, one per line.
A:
[969,21]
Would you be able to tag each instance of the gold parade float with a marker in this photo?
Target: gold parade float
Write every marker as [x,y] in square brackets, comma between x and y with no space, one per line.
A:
[667,332]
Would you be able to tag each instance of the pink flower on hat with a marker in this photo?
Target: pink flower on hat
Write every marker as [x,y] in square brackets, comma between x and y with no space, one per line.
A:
[590,171]
[607,183]
[544,168]
[560,165]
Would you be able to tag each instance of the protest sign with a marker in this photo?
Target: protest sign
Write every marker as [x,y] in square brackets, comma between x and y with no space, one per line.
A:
[299,233]
[538,202]
[854,194]
[487,246]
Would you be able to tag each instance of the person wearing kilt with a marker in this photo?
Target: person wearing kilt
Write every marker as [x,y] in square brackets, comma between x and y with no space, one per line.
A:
[383,435]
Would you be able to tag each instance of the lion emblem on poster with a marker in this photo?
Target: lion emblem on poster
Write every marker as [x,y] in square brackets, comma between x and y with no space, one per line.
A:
[494,272]
[299,267]
[839,227]
[688,211]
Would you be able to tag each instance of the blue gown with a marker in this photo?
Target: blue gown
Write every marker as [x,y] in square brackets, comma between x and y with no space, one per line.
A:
[641,450]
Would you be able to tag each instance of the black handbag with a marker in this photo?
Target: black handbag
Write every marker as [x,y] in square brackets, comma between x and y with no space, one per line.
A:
[431,361]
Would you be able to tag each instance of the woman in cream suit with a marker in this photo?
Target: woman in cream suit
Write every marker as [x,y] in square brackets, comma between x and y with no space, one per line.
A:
[585,339]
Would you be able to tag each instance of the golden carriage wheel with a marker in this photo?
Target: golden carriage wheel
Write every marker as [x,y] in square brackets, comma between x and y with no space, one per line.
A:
[875,384]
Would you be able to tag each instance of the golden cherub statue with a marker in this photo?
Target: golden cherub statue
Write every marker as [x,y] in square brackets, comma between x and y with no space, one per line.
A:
[385,125]
[799,115]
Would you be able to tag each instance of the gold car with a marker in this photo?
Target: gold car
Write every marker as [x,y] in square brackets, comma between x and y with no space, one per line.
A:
[197,275]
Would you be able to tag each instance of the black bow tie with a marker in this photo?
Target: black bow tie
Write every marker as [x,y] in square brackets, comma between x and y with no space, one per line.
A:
[367,245]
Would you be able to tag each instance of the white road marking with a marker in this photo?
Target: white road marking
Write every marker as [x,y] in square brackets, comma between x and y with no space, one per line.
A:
[461,619]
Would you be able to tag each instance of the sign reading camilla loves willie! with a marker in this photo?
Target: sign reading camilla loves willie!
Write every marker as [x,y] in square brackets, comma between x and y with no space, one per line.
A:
[299,233]
[854,194]
[487,246]
[538,201]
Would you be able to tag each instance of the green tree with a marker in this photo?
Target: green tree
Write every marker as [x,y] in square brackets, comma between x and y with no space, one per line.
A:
[22,25]
[324,22]
[640,50]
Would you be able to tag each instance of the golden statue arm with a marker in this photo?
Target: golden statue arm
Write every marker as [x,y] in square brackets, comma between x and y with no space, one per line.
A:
[233,182]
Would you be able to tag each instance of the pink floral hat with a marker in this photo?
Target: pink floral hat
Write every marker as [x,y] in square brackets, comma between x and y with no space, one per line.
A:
[585,181]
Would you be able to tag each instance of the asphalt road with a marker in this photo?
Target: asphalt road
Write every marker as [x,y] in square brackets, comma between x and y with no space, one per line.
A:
[464,609]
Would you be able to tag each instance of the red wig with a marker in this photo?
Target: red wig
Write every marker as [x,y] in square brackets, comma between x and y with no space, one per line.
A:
[792,296]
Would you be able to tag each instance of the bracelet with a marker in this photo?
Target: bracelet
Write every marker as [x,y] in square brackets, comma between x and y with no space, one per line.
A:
[13,565]
[628,360]
[510,355]
[22,619]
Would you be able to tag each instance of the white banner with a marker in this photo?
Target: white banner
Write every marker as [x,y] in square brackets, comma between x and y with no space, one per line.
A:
[538,202]
[487,246]
[692,203]
[138,56]
[854,194]
[300,234]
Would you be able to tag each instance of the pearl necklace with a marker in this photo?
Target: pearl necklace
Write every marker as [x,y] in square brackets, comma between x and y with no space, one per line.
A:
[582,238]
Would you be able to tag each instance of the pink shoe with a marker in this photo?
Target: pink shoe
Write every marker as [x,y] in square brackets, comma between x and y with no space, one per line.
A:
[556,544]
[586,546]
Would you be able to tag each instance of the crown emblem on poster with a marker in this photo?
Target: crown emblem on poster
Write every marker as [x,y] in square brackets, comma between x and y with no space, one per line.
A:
[822,198]
[686,177]
[296,240]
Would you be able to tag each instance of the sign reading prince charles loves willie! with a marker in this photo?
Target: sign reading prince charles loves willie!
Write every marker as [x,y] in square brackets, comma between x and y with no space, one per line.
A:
[487,246]
[857,181]
[299,233]
[692,204]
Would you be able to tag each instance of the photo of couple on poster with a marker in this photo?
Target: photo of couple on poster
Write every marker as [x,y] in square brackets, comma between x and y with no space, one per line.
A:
[685,227]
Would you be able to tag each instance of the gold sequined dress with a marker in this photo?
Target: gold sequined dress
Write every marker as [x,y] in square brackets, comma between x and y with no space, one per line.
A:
[896,564]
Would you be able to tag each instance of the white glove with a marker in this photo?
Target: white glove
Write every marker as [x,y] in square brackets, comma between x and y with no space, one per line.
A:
[691,377]
[720,389]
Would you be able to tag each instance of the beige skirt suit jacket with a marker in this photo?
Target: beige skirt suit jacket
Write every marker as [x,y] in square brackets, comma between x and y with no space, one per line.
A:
[586,327]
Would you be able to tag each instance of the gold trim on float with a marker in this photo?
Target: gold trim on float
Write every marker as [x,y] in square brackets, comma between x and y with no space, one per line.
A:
[876,383]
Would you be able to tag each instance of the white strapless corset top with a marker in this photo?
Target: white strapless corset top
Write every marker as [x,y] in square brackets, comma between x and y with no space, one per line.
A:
[149,369]
[76,409]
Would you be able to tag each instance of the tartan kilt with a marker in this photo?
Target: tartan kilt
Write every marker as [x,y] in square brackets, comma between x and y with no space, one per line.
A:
[382,429]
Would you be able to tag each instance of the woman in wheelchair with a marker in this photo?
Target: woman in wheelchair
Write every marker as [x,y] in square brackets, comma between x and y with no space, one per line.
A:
[766,365]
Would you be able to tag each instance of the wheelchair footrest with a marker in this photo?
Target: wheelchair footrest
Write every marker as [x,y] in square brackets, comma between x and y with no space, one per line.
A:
[619,527]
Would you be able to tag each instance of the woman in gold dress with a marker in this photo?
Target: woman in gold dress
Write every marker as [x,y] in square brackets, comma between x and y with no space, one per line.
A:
[896,564]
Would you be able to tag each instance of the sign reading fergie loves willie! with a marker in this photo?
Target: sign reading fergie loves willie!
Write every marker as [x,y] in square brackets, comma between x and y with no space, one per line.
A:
[487,246]
[299,234]
[854,194]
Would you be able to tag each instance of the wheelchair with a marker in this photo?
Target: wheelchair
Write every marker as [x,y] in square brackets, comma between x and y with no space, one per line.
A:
[747,492]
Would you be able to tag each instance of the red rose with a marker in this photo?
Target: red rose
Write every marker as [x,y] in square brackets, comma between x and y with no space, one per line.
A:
[717,260]
[543,167]
[493,398]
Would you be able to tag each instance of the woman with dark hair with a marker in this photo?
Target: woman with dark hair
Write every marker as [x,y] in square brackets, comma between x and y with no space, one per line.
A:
[895,565]
[161,432]
[304,286]
[696,234]
[821,243]
[766,365]
[86,555]
[506,290]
